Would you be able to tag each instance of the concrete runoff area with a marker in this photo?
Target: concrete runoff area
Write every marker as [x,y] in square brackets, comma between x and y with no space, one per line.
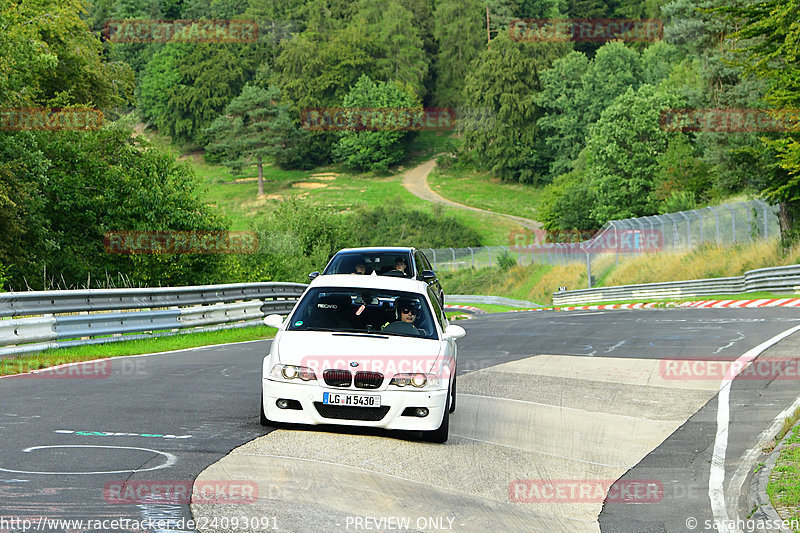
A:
[529,419]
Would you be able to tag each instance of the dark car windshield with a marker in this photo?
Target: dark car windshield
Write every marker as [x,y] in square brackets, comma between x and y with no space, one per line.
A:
[361,262]
[358,310]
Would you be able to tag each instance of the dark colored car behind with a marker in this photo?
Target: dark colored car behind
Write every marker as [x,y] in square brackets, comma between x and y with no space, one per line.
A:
[380,261]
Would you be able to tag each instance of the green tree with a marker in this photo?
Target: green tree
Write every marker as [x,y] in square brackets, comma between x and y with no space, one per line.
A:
[401,54]
[622,154]
[575,91]
[187,86]
[564,120]
[457,28]
[80,185]
[375,150]
[566,202]
[49,56]
[768,40]
[680,170]
[252,128]
[502,87]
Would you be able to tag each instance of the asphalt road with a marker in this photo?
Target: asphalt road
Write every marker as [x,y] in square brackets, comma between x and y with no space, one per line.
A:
[68,437]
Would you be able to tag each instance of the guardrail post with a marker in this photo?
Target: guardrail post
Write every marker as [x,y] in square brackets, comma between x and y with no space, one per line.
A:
[589,269]
[688,229]
[472,256]
[733,221]
[716,224]
[749,223]
[700,217]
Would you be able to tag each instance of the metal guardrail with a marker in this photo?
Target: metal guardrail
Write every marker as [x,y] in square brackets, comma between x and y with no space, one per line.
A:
[481,299]
[37,320]
[786,278]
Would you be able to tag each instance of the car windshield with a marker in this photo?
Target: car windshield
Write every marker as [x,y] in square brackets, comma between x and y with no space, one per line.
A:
[381,263]
[359,310]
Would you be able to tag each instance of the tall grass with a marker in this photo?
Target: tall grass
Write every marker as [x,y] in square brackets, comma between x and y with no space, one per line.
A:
[538,282]
[708,261]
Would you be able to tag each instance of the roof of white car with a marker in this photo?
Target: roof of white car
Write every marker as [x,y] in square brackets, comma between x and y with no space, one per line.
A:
[370,282]
[377,249]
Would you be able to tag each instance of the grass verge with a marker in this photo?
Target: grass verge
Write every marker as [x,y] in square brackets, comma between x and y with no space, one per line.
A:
[783,488]
[491,308]
[236,196]
[479,189]
[60,356]
[537,282]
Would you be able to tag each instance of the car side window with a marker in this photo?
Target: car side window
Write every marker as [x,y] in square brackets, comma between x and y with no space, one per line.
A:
[426,264]
[419,265]
[437,309]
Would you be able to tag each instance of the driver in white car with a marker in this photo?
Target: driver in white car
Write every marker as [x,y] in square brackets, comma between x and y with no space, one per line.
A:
[407,313]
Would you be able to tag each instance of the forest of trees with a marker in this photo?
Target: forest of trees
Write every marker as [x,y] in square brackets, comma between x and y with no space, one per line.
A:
[580,120]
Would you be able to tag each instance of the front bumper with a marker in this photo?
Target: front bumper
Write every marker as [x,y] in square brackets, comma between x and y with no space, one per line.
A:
[396,400]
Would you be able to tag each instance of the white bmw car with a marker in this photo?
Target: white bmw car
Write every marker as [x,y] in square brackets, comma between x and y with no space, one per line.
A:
[363,351]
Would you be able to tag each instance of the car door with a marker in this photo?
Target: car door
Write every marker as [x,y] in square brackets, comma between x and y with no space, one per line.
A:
[423,264]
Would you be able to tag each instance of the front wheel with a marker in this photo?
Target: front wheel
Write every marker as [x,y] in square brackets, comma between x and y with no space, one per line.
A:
[440,435]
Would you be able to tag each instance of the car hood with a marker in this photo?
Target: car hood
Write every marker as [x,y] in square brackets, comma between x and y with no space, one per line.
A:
[321,350]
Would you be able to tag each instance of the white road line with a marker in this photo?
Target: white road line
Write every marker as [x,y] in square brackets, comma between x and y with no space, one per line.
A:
[171,460]
[716,480]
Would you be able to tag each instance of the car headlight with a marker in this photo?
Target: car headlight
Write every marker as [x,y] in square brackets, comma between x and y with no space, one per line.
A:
[417,380]
[291,372]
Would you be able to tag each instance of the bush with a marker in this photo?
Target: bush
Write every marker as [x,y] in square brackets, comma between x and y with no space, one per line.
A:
[505,261]
[374,150]
[298,237]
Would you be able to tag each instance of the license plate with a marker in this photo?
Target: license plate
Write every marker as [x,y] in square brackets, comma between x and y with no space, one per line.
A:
[357,400]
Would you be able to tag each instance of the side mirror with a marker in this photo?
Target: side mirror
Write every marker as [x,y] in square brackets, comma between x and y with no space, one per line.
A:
[313,276]
[274,321]
[427,275]
[454,332]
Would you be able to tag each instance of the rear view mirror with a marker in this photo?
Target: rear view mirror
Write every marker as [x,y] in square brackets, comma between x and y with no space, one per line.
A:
[454,332]
[313,276]
[274,321]
[427,275]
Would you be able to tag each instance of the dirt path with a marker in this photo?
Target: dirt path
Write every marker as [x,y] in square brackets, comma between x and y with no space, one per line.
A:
[415,181]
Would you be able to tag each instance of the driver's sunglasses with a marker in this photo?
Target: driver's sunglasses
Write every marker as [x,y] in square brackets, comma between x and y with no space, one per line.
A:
[408,311]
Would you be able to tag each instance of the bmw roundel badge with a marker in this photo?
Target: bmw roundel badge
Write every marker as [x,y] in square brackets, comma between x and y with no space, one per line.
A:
[353,364]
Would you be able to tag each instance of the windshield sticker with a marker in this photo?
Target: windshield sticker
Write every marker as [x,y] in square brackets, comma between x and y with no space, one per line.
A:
[298,323]
[360,310]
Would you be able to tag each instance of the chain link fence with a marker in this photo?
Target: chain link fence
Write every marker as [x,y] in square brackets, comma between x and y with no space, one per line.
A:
[726,224]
